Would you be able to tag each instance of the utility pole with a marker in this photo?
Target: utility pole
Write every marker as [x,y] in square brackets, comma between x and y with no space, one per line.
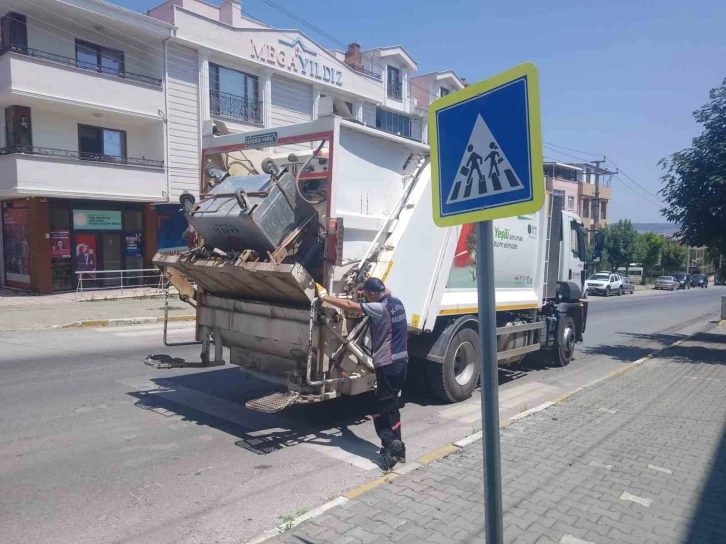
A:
[596,199]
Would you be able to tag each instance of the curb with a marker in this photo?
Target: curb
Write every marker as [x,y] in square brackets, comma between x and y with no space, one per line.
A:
[456,446]
[90,323]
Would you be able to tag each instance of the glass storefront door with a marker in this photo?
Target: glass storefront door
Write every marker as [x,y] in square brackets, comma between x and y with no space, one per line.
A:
[110,259]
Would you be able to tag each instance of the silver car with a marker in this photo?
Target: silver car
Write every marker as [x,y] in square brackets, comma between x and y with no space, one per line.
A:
[666,282]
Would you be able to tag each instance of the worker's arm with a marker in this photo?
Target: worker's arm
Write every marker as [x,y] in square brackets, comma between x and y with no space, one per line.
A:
[343,303]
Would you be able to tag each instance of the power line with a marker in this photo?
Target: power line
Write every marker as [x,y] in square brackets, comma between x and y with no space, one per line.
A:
[567,154]
[642,196]
[573,150]
[632,180]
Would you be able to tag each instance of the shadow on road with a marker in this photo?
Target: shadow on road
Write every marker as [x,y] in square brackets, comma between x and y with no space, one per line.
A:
[327,424]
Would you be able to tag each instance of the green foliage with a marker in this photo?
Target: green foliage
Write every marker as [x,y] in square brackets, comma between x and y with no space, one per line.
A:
[621,244]
[695,179]
[652,249]
[673,256]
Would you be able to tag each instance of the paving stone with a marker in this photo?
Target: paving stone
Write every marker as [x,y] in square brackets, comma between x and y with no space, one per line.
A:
[565,469]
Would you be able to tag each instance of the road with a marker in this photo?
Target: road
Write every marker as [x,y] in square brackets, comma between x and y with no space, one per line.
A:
[96,447]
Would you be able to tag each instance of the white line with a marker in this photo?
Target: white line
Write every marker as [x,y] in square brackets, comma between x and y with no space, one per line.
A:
[633,498]
[660,469]
[464,442]
[569,539]
[532,411]
[599,465]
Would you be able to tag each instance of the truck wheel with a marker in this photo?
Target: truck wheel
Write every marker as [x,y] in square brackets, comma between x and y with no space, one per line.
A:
[565,348]
[456,378]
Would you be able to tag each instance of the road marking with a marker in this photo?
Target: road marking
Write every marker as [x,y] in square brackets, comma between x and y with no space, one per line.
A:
[609,411]
[633,498]
[599,465]
[660,469]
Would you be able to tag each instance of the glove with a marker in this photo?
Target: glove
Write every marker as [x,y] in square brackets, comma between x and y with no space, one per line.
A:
[320,291]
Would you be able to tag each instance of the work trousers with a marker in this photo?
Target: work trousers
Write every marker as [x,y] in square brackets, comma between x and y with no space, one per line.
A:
[387,418]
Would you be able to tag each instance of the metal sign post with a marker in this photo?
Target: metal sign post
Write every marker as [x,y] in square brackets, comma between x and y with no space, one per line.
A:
[494,526]
[486,164]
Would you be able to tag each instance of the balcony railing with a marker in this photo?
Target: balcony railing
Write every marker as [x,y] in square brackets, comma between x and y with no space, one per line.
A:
[395,90]
[67,61]
[235,107]
[360,69]
[81,155]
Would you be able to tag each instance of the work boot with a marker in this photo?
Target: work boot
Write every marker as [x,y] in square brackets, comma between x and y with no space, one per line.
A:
[397,451]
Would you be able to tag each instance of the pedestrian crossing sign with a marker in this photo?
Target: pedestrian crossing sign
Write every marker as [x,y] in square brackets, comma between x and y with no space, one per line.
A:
[486,149]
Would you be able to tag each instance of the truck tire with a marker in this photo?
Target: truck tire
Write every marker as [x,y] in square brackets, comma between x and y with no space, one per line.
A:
[565,348]
[456,379]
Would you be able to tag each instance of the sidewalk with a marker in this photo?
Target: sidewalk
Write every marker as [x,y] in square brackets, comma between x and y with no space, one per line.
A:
[638,458]
[33,312]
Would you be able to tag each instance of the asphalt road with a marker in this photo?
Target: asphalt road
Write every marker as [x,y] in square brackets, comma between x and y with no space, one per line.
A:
[96,447]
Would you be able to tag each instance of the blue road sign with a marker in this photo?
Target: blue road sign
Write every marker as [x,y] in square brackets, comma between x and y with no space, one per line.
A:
[486,149]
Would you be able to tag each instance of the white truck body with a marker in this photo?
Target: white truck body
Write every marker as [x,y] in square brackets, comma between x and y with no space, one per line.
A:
[377,201]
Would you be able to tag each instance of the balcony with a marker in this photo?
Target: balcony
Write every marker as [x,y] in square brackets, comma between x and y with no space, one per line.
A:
[235,107]
[65,61]
[81,155]
[358,68]
[588,190]
[29,76]
[42,171]
[395,90]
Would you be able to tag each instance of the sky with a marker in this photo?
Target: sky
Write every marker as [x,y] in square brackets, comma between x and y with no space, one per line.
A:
[618,78]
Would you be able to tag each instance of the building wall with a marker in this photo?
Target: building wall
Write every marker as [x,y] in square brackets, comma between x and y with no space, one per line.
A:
[569,188]
[420,87]
[183,122]
[292,102]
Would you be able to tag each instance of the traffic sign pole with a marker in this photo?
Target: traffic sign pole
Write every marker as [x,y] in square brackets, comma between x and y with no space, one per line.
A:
[494,526]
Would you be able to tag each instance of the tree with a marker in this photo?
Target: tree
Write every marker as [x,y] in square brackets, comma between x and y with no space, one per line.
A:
[652,248]
[695,179]
[621,243]
[674,256]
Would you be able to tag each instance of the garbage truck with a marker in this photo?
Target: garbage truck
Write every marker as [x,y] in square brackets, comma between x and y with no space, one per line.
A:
[333,201]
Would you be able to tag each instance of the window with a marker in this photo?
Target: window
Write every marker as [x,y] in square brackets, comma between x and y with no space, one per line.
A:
[393,122]
[586,207]
[18,129]
[394,83]
[102,59]
[603,210]
[101,144]
[570,202]
[234,94]
[14,32]
[443,91]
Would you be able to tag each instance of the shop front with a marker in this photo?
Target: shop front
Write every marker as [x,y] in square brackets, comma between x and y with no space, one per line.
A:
[53,244]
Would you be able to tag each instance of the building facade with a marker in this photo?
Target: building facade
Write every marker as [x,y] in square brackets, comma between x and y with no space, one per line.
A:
[576,183]
[82,150]
[104,107]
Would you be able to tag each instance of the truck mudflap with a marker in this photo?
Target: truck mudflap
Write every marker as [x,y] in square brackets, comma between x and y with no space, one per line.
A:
[288,284]
[578,312]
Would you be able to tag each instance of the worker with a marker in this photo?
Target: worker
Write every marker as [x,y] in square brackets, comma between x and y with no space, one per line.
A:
[389,331]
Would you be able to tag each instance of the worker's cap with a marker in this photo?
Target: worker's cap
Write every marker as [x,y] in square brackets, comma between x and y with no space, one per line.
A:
[374,285]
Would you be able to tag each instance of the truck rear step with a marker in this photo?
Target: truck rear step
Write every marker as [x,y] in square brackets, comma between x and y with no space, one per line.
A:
[274,402]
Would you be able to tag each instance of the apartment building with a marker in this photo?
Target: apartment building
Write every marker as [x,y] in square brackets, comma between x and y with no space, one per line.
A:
[104,109]
[576,183]
[82,152]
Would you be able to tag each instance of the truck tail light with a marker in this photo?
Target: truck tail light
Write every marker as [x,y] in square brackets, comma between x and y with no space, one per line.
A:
[334,241]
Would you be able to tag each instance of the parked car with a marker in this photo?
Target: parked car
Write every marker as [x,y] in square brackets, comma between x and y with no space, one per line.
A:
[683,279]
[606,284]
[666,282]
[628,286]
[699,280]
